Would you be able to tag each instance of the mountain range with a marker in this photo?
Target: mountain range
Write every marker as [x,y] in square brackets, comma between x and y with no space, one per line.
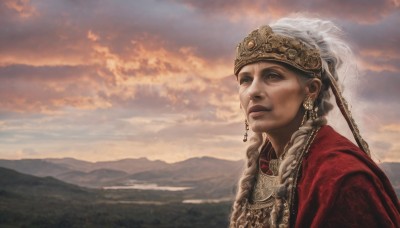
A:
[15,184]
[30,201]
[205,176]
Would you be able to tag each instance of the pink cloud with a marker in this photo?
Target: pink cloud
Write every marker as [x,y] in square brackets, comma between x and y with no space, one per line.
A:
[22,7]
[157,75]
[357,10]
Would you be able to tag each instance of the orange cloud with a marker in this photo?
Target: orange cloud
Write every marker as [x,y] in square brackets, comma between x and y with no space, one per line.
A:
[22,7]
[92,36]
[369,12]
[386,60]
[385,143]
[97,85]
[180,77]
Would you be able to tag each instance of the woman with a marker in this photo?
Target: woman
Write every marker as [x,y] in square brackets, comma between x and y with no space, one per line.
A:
[300,172]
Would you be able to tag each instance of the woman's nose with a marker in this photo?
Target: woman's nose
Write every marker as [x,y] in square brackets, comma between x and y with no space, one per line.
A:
[256,90]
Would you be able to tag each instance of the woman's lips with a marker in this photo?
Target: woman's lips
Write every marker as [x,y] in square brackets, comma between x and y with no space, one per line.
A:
[258,110]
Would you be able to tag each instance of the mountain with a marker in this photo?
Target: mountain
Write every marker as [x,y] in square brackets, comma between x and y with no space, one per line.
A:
[95,179]
[124,165]
[36,167]
[83,173]
[193,169]
[131,165]
[72,164]
[209,177]
[15,183]
[29,201]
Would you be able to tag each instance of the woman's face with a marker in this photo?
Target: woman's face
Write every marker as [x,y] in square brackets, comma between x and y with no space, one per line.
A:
[271,96]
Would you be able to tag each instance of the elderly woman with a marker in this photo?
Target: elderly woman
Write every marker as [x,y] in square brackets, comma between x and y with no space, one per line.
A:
[300,172]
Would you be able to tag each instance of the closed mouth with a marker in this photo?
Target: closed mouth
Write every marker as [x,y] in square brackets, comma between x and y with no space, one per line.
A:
[258,108]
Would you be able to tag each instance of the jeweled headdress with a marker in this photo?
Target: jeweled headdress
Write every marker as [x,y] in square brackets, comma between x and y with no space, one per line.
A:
[264,44]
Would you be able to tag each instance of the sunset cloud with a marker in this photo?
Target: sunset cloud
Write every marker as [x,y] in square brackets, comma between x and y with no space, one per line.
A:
[22,7]
[100,80]
[356,10]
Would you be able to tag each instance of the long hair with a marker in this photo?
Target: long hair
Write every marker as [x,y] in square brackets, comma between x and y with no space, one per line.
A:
[247,180]
[337,59]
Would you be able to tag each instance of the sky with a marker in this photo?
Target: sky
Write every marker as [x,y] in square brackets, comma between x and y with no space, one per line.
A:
[104,80]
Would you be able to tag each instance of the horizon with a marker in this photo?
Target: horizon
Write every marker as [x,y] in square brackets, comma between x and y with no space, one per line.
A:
[121,159]
[154,79]
[151,160]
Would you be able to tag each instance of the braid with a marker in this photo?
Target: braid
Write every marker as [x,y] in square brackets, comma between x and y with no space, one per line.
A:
[246,182]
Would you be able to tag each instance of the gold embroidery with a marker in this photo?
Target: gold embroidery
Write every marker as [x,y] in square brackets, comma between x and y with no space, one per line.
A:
[257,213]
[264,187]
[274,166]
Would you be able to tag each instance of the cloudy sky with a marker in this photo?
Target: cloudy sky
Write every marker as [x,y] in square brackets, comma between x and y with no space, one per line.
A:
[105,80]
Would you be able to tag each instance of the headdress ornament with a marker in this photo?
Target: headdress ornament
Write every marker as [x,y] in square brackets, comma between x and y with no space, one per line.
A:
[264,44]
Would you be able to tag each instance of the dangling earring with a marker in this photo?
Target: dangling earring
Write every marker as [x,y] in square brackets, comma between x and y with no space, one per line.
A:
[308,105]
[246,127]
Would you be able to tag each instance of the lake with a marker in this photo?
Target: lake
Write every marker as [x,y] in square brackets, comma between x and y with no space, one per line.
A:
[147,186]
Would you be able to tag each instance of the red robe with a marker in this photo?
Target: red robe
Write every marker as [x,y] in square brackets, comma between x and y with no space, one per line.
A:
[340,186]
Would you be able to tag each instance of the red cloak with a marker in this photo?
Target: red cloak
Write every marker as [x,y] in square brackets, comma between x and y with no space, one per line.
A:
[340,186]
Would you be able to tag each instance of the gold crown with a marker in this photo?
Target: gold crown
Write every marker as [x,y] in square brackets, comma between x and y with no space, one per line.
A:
[264,44]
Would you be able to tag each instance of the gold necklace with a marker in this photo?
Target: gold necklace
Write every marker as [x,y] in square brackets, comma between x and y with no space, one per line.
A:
[265,185]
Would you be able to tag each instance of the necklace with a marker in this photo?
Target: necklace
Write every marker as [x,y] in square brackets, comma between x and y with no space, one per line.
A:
[256,212]
[262,194]
[265,183]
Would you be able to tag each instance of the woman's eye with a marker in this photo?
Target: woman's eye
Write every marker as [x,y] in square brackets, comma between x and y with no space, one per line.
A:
[244,80]
[272,75]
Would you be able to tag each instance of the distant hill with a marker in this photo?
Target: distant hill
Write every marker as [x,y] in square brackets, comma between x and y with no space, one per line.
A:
[124,165]
[96,178]
[193,169]
[14,182]
[29,201]
[72,164]
[207,176]
[36,167]
[83,173]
